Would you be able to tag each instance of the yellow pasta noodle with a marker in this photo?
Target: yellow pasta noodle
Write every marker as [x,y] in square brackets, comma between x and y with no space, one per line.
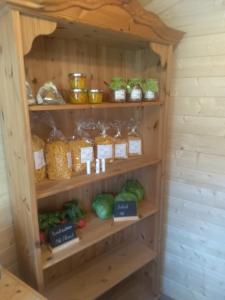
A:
[104,144]
[58,158]
[82,151]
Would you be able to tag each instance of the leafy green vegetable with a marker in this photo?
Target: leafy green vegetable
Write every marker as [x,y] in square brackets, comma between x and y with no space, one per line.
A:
[132,82]
[117,83]
[150,85]
[134,187]
[103,205]
[126,196]
[72,211]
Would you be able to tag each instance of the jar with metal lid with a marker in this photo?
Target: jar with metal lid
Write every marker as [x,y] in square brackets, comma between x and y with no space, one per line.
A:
[151,89]
[78,96]
[118,88]
[78,80]
[134,90]
[95,96]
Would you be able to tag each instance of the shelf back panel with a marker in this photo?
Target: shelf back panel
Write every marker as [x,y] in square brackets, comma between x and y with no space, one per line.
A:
[53,58]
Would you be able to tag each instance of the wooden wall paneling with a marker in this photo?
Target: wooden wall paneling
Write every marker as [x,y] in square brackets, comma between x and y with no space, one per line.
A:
[19,156]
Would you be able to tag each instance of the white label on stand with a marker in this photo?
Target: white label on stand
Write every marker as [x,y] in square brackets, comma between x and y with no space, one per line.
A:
[120,150]
[88,167]
[69,159]
[97,166]
[135,147]
[39,160]
[103,165]
[149,95]
[86,154]
[136,94]
[104,151]
[120,95]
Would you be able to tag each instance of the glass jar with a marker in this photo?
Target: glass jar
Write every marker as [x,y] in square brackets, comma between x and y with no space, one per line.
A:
[149,96]
[95,96]
[78,96]
[119,95]
[78,80]
[135,94]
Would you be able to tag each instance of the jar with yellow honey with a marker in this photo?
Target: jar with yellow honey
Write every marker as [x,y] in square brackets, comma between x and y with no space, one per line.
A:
[78,96]
[95,96]
[78,80]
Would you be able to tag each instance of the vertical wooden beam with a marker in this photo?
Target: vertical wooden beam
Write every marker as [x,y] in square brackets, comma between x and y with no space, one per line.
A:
[165,53]
[18,148]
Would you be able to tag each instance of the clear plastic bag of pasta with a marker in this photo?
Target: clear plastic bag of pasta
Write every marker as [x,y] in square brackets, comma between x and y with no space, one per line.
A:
[58,155]
[38,146]
[81,146]
[135,142]
[104,143]
[120,142]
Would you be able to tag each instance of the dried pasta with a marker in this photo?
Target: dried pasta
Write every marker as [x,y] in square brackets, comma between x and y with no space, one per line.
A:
[58,158]
[82,151]
[104,144]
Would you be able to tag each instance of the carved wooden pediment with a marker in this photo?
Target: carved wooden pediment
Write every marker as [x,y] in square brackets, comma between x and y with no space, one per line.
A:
[123,15]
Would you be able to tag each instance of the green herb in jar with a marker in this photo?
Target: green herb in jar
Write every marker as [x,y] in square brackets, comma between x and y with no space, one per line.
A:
[134,89]
[150,88]
[118,86]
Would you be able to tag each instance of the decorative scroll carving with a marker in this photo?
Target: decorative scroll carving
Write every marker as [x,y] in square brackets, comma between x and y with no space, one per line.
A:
[138,14]
[33,27]
[162,51]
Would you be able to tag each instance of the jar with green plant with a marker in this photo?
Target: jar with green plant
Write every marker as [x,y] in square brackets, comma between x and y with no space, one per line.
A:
[118,87]
[134,89]
[150,88]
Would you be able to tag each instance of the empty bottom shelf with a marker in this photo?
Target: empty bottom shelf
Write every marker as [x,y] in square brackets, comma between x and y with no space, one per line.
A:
[103,273]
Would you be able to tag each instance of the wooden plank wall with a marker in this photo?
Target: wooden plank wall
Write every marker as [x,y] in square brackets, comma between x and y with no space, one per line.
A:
[194,255]
[7,241]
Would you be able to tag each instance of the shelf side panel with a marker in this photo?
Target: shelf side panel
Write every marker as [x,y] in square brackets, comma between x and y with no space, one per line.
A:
[16,133]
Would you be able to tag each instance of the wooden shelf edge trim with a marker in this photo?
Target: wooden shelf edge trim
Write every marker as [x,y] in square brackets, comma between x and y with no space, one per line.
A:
[92,106]
[49,188]
[104,273]
[109,228]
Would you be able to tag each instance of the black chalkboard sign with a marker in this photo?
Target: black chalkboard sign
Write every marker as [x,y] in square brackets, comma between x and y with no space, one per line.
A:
[125,210]
[61,234]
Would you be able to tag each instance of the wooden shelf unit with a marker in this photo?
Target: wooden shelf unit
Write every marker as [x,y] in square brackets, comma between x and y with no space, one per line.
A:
[48,188]
[104,105]
[47,41]
[96,231]
[103,273]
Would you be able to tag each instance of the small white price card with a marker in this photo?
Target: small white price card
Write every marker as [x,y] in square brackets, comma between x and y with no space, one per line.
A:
[86,154]
[39,160]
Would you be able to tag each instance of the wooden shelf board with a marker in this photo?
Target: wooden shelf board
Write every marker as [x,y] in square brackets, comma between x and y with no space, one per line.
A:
[95,231]
[51,187]
[91,106]
[103,273]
